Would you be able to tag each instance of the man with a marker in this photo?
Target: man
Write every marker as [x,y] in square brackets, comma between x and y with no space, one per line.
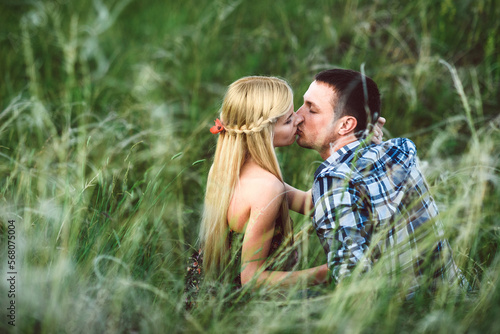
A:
[370,200]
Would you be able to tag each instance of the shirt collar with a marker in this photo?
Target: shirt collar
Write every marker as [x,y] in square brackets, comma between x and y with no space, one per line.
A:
[345,151]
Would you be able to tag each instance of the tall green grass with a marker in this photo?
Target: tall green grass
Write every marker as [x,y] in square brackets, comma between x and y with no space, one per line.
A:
[105,107]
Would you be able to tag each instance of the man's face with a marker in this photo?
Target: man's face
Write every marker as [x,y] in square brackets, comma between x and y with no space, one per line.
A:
[319,127]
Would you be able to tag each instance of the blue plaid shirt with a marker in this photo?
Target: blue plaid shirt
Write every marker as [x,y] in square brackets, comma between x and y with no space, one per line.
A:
[364,188]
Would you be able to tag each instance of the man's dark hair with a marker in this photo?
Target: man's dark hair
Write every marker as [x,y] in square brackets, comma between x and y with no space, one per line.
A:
[357,95]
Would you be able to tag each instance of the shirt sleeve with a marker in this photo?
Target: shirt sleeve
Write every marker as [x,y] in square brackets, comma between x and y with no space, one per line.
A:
[341,222]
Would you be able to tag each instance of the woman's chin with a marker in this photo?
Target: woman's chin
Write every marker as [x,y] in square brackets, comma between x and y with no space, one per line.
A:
[284,144]
[291,141]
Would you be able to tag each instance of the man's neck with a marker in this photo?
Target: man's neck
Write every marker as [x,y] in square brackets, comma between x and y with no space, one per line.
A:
[338,144]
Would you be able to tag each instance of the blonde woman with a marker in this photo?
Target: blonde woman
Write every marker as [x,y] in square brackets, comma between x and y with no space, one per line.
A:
[246,232]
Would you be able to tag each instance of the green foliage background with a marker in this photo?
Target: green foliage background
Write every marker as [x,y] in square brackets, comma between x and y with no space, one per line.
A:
[104,147]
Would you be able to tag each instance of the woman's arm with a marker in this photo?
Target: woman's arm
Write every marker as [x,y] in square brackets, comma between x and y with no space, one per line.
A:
[257,244]
[311,276]
[298,200]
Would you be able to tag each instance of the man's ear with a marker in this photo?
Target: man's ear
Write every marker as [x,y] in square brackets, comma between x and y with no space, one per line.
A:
[347,125]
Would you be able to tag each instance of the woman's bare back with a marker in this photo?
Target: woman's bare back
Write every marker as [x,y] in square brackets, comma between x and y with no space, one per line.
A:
[254,188]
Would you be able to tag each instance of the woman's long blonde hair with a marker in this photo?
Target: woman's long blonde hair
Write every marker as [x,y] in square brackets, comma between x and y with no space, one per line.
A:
[250,109]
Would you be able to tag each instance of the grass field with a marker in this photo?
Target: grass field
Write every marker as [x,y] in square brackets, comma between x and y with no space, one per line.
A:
[105,108]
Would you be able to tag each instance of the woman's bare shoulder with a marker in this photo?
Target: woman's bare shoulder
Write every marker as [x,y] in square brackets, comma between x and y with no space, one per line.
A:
[260,184]
[256,189]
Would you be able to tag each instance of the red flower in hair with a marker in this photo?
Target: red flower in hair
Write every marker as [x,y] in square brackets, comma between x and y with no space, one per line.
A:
[218,127]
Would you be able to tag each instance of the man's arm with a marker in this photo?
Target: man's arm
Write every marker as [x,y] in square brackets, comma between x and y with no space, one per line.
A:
[341,222]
